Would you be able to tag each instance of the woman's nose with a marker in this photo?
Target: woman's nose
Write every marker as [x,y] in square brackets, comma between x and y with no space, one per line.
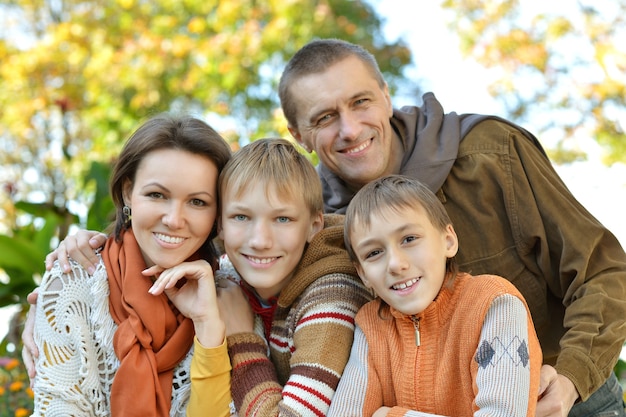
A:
[174,218]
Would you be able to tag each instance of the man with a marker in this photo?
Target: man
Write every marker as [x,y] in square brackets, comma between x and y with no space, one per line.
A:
[513,214]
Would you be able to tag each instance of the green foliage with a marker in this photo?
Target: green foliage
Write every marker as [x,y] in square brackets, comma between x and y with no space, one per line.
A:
[22,254]
[101,210]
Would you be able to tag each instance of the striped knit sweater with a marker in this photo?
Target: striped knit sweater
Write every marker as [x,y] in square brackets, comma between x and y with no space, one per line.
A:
[310,339]
[478,356]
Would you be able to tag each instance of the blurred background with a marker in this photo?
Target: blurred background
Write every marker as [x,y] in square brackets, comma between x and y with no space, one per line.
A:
[77,76]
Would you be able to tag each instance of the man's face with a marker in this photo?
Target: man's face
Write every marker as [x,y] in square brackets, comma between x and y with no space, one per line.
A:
[343,114]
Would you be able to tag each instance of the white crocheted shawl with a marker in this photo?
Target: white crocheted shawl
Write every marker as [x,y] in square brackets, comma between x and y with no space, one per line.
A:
[74,333]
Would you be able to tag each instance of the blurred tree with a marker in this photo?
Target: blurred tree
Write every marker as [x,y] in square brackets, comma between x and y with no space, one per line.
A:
[565,67]
[78,76]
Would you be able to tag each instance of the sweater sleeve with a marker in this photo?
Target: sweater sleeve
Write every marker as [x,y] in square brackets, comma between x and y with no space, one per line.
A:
[320,346]
[357,385]
[507,378]
[584,266]
[210,382]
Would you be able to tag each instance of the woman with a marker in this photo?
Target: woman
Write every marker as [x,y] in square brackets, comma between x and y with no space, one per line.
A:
[108,345]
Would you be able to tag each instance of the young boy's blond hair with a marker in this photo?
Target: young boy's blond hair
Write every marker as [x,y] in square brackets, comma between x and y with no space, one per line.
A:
[273,162]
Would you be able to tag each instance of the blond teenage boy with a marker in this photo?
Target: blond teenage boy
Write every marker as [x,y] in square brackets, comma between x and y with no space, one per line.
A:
[290,302]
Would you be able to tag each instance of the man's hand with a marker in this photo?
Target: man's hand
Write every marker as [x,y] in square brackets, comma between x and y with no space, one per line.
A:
[557,394]
[80,247]
[29,351]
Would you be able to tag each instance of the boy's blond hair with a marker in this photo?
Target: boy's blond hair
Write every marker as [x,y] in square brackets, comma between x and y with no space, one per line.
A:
[273,162]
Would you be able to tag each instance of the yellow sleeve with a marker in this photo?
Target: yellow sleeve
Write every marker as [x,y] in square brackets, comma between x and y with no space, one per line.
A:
[210,382]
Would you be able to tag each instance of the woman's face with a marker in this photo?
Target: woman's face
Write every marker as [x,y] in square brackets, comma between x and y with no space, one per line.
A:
[174,204]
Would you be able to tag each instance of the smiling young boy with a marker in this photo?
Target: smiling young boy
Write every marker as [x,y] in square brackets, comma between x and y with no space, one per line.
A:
[434,341]
[294,274]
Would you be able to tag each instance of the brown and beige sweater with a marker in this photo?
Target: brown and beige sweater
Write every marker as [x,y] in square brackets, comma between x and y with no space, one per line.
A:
[310,338]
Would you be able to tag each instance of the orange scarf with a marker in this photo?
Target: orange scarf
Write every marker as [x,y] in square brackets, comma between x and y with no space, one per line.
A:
[152,337]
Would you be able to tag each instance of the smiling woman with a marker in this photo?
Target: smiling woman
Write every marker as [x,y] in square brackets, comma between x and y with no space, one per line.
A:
[171,216]
[112,331]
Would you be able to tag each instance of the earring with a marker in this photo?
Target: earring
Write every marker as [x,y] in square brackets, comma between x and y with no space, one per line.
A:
[127,214]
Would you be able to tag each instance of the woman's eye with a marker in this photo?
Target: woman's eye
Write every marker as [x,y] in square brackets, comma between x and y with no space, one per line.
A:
[197,202]
[239,217]
[155,195]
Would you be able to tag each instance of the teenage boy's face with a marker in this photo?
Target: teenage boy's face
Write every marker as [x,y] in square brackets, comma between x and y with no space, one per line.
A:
[265,235]
[343,114]
[402,257]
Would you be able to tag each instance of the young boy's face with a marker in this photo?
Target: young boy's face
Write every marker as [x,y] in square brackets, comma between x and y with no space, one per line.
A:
[265,234]
[402,257]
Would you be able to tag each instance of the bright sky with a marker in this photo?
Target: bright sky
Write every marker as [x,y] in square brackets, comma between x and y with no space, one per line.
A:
[440,69]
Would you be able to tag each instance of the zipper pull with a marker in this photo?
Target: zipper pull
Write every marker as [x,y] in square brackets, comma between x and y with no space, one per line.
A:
[416,326]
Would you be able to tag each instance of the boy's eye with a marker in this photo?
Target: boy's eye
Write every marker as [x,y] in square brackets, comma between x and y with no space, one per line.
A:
[282,219]
[371,254]
[409,239]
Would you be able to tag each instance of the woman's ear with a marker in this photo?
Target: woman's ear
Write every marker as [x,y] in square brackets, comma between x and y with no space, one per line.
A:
[127,191]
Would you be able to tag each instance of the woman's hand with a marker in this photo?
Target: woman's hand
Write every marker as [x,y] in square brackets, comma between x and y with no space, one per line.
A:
[80,247]
[196,298]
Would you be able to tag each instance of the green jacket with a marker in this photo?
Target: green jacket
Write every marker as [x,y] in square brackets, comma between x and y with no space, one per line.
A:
[515,217]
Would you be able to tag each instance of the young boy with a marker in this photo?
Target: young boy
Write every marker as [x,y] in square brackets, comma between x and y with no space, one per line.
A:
[434,341]
[293,273]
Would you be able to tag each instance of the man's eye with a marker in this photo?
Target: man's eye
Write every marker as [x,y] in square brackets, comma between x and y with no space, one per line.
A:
[324,119]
